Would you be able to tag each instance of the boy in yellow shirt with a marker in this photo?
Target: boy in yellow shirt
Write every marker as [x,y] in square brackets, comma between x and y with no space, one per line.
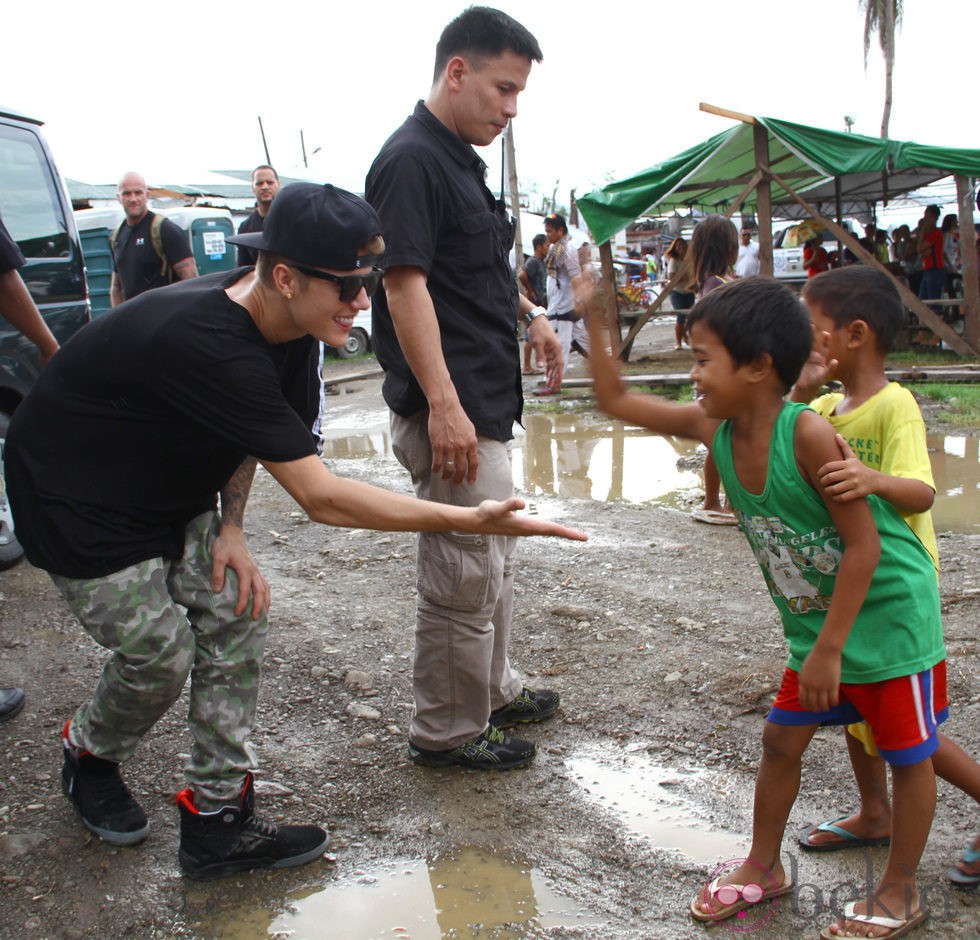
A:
[856,314]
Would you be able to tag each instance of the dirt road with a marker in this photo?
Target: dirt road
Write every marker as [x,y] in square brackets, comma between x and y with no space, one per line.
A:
[666,650]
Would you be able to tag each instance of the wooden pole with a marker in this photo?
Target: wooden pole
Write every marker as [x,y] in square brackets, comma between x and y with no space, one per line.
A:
[971,278]
[839,209]
[515,198]
[725,112]
[763,197]
[608,297]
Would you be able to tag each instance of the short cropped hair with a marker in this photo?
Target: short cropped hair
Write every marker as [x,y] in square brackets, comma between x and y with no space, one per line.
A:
[757,316]
[484,33]
[265,166]
[538,241]
[264,264]
[860,292]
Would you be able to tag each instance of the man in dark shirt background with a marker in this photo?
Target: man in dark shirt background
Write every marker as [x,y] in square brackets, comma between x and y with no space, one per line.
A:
[265,185]
[533,277]
[138,265]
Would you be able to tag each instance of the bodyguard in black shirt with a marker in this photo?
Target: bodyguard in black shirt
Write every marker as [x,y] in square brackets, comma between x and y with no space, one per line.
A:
[138,264]
[454,387]
[265,185]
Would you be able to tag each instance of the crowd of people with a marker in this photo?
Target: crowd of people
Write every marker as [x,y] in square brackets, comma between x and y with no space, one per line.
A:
[137,507]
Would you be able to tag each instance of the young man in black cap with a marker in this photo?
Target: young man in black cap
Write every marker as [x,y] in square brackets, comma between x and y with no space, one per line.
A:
[163,404]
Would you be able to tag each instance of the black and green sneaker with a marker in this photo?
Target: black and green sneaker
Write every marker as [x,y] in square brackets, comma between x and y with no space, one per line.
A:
[492,750]
[530,706]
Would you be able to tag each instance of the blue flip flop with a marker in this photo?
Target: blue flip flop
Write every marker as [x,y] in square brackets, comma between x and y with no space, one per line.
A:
[962,879]
[849,840]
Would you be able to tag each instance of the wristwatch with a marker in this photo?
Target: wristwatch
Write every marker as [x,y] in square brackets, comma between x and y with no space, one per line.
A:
[532,315]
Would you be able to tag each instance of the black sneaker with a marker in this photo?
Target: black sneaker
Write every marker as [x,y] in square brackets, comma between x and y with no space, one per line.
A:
[530,706]
[234,839]
[492,750]
[11,702]
[100,797]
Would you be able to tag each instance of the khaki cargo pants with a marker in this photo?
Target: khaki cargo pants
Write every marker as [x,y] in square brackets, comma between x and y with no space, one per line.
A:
[465,598]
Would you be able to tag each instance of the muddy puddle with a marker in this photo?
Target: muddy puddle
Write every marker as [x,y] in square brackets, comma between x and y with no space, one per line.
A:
[577,457]
[658,802]
[474,893]
[465,893]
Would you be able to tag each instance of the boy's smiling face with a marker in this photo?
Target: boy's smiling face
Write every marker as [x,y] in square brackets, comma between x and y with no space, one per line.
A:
[718,382]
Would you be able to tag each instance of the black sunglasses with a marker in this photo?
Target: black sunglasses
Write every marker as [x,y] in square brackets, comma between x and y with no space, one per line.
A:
[350,284]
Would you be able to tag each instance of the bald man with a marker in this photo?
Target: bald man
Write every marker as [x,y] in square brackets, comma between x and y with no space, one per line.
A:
[141,261]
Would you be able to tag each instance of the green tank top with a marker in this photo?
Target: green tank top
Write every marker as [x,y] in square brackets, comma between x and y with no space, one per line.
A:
[898,630]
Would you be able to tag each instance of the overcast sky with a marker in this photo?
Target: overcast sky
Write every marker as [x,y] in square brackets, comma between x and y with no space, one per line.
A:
[175,88]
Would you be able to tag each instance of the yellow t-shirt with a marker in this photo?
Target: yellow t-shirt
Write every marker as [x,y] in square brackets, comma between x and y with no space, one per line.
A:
[887,433]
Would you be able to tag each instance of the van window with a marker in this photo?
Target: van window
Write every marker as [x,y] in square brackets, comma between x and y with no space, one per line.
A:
[29,203]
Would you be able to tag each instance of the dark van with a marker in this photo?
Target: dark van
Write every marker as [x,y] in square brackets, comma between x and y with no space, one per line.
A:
[36,211]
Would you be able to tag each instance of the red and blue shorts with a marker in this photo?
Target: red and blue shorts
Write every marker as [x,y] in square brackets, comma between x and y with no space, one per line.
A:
[903,712]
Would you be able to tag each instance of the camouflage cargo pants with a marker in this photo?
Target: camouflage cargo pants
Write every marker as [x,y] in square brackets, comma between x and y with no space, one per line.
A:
[138,614]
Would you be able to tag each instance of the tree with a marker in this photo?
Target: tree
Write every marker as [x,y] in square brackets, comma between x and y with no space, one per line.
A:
[882,17]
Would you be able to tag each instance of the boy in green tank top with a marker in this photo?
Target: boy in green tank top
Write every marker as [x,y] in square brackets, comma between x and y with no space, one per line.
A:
[856,590]
[857,313]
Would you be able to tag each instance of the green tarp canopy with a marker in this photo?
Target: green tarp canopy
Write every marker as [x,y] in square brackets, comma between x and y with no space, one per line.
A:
[711,175]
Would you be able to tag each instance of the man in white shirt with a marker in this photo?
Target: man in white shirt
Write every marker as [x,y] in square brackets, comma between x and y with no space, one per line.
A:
[564,280]
[748,255]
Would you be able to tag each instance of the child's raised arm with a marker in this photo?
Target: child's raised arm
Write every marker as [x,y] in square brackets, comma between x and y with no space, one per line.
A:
[814,442]
[646,411]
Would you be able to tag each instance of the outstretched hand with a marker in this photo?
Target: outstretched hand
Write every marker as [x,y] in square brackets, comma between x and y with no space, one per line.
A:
[847,478]
[500,518]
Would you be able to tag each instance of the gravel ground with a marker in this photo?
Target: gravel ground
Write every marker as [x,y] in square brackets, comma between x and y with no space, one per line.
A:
[657,632]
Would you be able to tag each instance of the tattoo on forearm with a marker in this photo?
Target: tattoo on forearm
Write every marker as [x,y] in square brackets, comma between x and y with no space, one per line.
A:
[234,496]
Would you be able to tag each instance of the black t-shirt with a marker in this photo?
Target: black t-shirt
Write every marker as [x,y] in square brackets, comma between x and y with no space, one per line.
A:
[10,255]
[438,215]
[536,277]
[252,223]
[136,261]
[141,419]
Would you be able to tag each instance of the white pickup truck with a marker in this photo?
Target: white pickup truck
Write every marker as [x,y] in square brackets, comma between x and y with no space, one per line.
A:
[787,249]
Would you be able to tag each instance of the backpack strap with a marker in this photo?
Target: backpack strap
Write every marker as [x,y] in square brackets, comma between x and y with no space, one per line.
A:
[114,237]
[157,239]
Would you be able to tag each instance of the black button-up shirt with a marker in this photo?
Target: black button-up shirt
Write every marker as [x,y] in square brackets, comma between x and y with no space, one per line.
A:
[437,214]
